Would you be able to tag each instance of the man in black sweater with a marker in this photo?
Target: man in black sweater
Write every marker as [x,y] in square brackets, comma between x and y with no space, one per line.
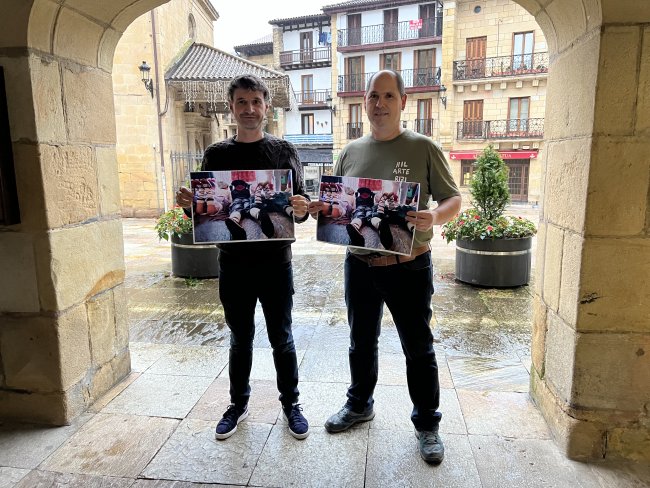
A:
[253,149]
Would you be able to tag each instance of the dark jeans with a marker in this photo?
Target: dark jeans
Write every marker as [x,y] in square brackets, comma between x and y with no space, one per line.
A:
[241,284]
[406,289]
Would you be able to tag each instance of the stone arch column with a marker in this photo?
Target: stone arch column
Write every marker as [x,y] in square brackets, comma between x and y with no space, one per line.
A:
[63,329]
[591,330]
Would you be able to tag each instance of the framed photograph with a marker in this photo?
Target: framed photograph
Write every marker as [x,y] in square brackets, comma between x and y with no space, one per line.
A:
[242,205]
[367,213]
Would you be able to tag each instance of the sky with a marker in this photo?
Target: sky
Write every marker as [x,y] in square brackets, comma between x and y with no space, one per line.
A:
[243,21]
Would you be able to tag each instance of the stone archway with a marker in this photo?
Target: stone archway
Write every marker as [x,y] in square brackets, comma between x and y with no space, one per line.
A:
[63,337]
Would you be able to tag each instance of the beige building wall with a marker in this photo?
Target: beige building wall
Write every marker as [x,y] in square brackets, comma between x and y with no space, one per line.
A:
[140,130]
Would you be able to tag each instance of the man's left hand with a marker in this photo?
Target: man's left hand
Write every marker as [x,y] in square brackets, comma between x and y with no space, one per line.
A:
[422,219]
[299,204]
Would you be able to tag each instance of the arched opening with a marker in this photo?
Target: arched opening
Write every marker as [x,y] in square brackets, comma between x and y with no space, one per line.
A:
[63,340]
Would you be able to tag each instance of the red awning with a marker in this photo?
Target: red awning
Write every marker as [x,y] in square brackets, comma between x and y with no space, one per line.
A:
[504,154]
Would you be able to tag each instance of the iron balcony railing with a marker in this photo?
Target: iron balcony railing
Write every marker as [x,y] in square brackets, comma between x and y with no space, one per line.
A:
[381,33]
[355,130]
[413,78]
[515,65]
[423,126]
[313,97]
[501,129]
[306,57]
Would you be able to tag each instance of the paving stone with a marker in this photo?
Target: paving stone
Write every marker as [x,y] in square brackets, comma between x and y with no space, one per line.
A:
[112,445]
[263,365]
[191,361]
[26,446]
[144,354]
[176,484]
[325,363]
[49,479]
[10,476]
[477,373]
[160,395]
[320,460]
[394,461]
[193,454]
[319,401]
[507,414]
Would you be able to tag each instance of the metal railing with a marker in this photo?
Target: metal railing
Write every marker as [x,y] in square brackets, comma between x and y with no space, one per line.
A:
[313,97]
[182,164]
[501,129]
[354,130]
[515,65]
[423,126]
[381,33]
[421,77]
[300,57]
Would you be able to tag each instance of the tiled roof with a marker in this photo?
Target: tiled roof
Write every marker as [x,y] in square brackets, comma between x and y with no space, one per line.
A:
[300,19]
[267,39]
[205,63]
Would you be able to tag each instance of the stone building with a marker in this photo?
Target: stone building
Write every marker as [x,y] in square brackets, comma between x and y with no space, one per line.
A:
[63,333]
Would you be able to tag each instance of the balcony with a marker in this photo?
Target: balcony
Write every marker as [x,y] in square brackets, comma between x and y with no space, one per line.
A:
[306,58]
[501,129]
[415,80]
[354,130]
[389,35]
[424,126]
[313,98]
[502,66]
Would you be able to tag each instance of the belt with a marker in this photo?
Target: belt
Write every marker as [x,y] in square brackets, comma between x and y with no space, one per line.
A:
[391,259]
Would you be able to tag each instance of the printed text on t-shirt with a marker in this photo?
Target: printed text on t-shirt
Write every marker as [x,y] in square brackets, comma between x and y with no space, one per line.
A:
[401,171]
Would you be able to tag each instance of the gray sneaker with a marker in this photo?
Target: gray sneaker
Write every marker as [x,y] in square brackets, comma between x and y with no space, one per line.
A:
[346,418]
[430,444]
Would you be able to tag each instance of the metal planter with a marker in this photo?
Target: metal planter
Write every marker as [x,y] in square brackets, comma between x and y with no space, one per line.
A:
[191,260]
[494,263]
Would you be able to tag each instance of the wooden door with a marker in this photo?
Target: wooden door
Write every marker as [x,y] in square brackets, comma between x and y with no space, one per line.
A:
[424,122]
[306,46]
[473,119]
[354,74]
[354,30]
[518,179]
[390,25]
[475,56]
[428,16]
[355,127]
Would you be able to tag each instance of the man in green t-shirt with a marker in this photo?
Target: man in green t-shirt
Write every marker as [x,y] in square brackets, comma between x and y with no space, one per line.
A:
[403,283]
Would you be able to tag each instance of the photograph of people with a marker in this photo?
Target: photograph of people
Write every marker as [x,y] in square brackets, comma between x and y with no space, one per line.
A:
[242,205]
[367,213]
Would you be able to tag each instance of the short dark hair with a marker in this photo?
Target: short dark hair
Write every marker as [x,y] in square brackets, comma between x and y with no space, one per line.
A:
[398,78]
[248,82]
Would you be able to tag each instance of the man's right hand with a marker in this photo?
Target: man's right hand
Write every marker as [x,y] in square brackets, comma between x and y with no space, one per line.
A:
[314,208]
[184,197]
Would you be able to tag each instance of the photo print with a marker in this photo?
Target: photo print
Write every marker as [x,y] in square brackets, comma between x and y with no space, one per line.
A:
[236,206]
[367,213]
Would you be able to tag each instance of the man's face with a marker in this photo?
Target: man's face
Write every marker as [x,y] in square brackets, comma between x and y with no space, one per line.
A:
[384,104]
[249,108]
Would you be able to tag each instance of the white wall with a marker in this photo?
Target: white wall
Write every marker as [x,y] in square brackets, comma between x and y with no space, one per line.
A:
[322,78]
[292,38]
[322,121]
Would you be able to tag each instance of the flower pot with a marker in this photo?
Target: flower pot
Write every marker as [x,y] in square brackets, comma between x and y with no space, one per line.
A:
[191,260]
[495,263]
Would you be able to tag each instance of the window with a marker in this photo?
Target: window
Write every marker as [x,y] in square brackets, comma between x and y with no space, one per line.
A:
[307,86]
[354,71]
[390,25]
[472,127]
[429,14]
[518,116]
[424,74]
[466,171]
[475,55]
[355,126]
[354,30]
[307,122]
[522,50]
[306,46]
[423,124]
[390,61]
[191,27]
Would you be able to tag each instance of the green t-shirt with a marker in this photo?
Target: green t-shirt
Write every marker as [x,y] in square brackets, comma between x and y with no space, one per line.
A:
[409,157]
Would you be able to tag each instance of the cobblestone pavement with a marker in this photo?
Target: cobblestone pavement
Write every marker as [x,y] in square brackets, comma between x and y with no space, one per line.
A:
[156,428]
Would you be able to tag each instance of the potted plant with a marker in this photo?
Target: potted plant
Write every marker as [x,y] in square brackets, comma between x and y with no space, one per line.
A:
[189,260]
[492,249]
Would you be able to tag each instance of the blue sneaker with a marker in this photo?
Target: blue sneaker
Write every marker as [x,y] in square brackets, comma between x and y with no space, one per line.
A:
[298,425]
[228,424]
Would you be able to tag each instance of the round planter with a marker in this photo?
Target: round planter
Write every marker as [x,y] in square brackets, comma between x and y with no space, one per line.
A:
[191,260]
[496,263]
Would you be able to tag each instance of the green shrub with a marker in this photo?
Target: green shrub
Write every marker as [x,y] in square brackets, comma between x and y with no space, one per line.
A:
[173,222]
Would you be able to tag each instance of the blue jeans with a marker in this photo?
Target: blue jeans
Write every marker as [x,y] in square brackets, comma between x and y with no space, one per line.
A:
[241,284]
[406,289]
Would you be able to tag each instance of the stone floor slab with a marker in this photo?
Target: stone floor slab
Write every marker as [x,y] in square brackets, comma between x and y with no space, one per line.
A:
[394,462]
[193,454]
[263,406]
[10,476]
[144,354]
[191,361]
[26,446]
[325,363]
[319,401]
[484,373]
[177,484]
[263,365]
[112,445]
[160,395]
[320,460]
[506,414]
[49,479]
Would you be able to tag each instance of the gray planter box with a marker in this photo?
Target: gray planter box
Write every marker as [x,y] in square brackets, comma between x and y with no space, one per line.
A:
[191,260]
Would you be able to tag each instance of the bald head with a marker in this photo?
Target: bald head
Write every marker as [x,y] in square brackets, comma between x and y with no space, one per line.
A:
[394,74]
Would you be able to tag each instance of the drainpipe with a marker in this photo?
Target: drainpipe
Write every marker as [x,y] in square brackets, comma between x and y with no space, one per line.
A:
[158,114]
